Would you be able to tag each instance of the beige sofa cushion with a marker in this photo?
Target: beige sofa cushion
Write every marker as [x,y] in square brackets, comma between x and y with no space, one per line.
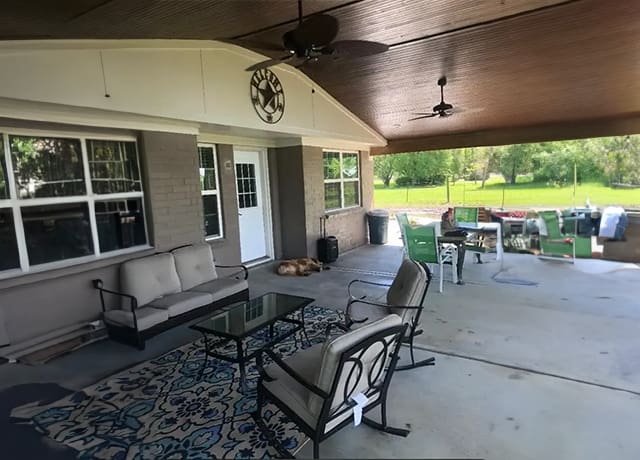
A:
[148,278]
[195,265]
[221,288]
[182,302]
[146,316]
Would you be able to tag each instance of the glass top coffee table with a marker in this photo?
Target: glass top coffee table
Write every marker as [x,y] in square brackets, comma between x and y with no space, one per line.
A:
[241,321]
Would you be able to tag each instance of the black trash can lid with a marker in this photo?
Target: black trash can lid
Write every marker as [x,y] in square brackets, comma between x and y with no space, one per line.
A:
[378,213]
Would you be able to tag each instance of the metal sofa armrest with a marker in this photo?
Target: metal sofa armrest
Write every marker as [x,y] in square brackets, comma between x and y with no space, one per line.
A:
[285,367]
[244,270]
[98,284]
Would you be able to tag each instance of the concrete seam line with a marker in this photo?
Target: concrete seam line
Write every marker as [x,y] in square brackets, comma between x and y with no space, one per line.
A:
[524,369]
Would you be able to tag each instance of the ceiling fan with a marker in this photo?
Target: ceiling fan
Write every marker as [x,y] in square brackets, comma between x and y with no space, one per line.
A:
[443,109]
[312,40]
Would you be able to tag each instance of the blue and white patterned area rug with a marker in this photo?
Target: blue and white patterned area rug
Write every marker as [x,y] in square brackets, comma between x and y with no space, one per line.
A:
[161,409]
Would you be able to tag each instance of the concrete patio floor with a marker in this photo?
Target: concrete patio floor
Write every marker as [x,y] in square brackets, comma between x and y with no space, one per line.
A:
[544,371]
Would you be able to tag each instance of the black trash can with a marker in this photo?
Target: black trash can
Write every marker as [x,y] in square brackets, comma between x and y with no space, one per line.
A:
[378,220]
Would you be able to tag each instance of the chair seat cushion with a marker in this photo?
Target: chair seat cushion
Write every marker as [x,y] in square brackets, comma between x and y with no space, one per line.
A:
[221,287]
[146,316]
[361,311]
[176,304]
[290,392]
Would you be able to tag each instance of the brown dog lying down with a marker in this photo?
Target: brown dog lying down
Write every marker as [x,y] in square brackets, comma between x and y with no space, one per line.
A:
[299,267]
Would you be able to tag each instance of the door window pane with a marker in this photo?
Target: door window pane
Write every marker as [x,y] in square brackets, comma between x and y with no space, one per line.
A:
[47,166]
[57,232]
[351,193]
[113,166]
[246,182]
[331,165]
[211,215]
[120,224]
[332,195]
[8,246]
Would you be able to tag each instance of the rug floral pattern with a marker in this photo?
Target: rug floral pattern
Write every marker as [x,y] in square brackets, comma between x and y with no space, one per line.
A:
[162,409]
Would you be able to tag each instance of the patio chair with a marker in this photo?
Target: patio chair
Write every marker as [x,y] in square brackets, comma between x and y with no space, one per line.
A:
[422,246]
[405,297]
[555,244]
[403,221]
[315,387]
[476,239]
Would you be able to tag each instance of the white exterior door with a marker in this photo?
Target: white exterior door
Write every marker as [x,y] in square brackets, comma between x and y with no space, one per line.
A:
[252,204]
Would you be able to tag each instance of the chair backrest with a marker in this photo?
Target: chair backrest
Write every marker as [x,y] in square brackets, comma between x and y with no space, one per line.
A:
[466,215]
[403,222]
[360,361]
[552,223]
[148,278]
[422,244]
[409,289]
[194,265]
[402,218]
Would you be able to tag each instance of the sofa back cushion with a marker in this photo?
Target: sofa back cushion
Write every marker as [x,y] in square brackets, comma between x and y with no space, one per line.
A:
[195,265]
[148,278]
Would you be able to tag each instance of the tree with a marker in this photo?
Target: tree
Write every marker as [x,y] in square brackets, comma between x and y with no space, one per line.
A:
[424,168]
[620,159]
[554,163]
[384,167]
[516,159]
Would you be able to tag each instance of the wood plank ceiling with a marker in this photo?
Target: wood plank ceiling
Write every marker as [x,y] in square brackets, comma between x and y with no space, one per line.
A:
[520,70]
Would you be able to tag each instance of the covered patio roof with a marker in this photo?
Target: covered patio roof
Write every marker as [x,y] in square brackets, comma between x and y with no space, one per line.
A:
[520,71]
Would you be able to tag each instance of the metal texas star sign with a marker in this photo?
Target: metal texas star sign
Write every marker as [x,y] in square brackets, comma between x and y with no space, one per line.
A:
[267,95]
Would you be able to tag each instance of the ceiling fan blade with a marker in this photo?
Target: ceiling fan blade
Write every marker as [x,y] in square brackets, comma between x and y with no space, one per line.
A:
[357,48]
[267,63]
[256,44]
[315,31]
[431,115]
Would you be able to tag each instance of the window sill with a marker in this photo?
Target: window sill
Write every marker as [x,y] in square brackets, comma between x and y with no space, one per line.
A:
[343,211]
[11,278]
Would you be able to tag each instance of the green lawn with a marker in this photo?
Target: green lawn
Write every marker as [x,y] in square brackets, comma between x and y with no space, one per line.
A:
[519,195]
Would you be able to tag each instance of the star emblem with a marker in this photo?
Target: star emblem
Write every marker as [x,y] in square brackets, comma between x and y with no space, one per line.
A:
[267,95]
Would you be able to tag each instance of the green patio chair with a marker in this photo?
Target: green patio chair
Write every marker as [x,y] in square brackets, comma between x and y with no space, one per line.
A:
[466,215]
[476,240]
[403,221]
[556,244]
[422,246]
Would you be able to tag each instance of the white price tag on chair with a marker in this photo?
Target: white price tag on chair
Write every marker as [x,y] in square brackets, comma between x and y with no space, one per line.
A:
[361,400]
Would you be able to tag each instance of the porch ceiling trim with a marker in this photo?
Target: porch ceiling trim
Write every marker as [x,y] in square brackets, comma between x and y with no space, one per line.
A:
[548,132]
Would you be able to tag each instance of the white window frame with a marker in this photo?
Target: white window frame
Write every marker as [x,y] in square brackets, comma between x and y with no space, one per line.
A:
[215,192]
[90,198]
[343,180]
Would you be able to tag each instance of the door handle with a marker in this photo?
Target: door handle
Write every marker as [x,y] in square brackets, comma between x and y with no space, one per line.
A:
[239,213]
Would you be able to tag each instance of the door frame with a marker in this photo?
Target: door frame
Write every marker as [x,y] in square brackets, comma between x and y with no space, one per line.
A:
[263,159]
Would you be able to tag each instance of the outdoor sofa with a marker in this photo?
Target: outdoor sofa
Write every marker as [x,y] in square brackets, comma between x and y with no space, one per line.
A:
[161,291]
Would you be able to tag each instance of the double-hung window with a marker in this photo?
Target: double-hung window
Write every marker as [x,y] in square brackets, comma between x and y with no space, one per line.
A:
[67,198]
[210,188]
[341,180]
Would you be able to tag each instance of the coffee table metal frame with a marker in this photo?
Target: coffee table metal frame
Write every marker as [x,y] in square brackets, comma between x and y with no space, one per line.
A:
[213,339]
